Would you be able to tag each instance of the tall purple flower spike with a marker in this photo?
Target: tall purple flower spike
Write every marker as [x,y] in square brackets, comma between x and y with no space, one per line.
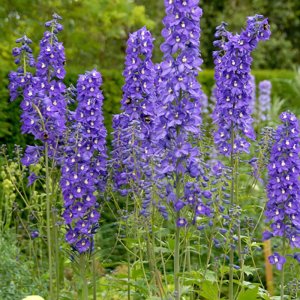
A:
[132,137]
[283,206]
[51,71]
[180,97]
[21,78]
[232,114]
[84,169]
[22,83]
[139,91]
[43,105]
[179,89]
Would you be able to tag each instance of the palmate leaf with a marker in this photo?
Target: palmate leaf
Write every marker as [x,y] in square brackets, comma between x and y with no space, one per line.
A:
[195,278]
[209,291]
[248,270]
[249,286]
[249,294]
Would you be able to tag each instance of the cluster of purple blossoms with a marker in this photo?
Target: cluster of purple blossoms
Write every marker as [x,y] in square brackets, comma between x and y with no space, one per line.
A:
[43,105]
[283,206]
[22,82]
[132,142]
[139,91]
[178,88]
[21,78]
[84,168]
[125,161]
[234,91]
[264,100]
[50,71]
[180,97]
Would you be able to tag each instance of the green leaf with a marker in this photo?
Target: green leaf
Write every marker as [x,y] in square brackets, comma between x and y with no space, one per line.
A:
[248,270]
[249,294]
[210,276]
[209,291]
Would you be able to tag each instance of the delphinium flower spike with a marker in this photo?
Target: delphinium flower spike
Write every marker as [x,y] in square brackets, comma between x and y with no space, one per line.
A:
[51,71]
[24,59]
[84,167]
[283,206]
[132,145]
[22,83]
[43,105]
[134,155]
[125,159]
[233,80]
[43,112]
[234,105]
[179,118]
[180,95]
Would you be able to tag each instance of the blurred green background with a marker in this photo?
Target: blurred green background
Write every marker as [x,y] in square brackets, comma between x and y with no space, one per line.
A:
[95,34]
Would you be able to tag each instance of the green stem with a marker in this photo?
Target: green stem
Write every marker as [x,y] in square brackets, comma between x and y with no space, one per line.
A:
[94,279]
[240,254]
[141,261]
[163,261]
[231,255]
[128,256]
[282,272]
[231,274]
[188,261]
[177,246]
[85,292]
[208,258]
[128,276]
[176,261]
[241,257]
[156,278]
[150,260]
[24,63]
[56,254]
[48,216]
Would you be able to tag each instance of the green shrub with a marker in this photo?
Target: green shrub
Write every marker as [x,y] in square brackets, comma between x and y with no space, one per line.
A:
[17,278]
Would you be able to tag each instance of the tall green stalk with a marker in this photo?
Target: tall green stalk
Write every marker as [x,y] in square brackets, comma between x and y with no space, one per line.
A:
[176,260]
[231,253]
[48,216]
[59,261]
[282,272]
[84,288]
[94,278]
[128,257]
[177,246]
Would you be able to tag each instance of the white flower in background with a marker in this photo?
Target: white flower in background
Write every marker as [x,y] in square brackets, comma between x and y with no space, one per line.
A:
[33,297]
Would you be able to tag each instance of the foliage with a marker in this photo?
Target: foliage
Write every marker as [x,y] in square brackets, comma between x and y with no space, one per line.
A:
[95,31]
[17,273]
[101,28]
